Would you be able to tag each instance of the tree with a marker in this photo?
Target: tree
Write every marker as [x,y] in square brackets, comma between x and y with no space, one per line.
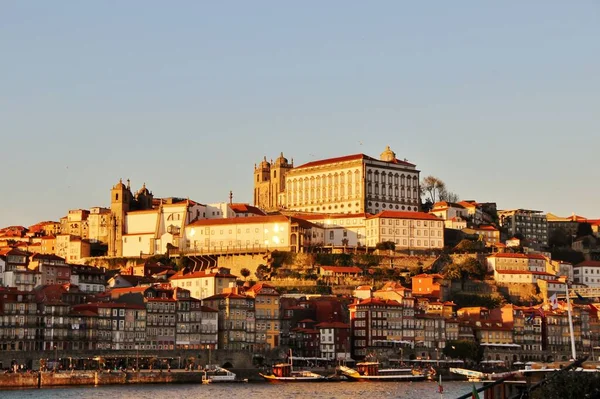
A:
[262,272]
[386,245]
[469,268]
[466,246]
[584,229]
[464,350]
[559,238]
[432,186]
[449,196]
[245,273]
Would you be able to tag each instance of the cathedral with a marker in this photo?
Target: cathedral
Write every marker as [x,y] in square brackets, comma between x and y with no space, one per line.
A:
[349,184]
[122,201]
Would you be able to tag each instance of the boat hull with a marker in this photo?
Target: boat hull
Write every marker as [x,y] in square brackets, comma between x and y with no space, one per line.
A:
[394,378]
[272,378]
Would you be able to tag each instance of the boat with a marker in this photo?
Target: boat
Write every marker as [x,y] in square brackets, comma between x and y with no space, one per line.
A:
[472,375]
[370,371]
[214,373]
[284,372]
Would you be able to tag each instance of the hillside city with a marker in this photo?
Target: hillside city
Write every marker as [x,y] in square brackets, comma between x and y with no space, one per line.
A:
[339,258]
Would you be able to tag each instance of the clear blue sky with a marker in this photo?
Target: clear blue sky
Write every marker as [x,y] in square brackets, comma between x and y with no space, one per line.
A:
[499,99]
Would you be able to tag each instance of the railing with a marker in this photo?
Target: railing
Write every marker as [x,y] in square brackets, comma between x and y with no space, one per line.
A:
[524,395]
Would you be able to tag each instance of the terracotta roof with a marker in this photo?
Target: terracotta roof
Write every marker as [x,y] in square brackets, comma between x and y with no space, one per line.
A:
[327,161]
[424,275]
[201,275]
[588,263]
[517,256]
[207,309]
[259,286]
[376,301]
[246,208]
[230,295]
[524,272]
[325,216]
[226,221]
[342,269]
[406,215]
[334,324]
[486,227]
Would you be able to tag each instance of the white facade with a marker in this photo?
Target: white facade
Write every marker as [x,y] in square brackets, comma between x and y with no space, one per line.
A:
[416,230]
[587,273]
[340,229]
[353,184]
[521,277]
[268,232]
[203,285]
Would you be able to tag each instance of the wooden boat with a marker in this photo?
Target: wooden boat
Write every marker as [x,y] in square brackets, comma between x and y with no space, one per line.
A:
[214,373]
[370,371]
[284,372]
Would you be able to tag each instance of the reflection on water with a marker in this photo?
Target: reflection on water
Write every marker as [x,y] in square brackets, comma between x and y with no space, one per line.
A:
[363,390]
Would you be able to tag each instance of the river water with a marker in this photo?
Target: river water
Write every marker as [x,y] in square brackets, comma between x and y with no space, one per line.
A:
[326,390]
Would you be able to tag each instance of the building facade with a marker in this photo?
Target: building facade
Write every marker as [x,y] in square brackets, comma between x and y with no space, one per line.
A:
[349,184]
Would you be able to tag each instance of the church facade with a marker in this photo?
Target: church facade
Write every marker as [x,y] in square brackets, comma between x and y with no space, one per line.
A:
[348,184]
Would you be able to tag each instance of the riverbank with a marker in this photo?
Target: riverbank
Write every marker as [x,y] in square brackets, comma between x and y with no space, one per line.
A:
[97,378]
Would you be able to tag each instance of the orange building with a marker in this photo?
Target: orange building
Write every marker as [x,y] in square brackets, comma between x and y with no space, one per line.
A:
[430,285]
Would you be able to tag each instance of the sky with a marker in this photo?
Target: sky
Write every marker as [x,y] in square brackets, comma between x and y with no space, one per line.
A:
[501,100]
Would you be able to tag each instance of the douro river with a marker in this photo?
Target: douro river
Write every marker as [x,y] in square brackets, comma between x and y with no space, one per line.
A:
[326,390]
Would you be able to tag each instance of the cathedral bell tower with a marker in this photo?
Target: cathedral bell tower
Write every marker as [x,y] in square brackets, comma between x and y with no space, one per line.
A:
[120,202]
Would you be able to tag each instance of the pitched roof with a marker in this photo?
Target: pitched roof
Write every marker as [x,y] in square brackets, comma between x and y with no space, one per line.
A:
[333,324]
[328,161]
[406,215]
[246,208]
[342,269]
[588,263]
[226,221]
[224,295]
[517,256]
[201,274]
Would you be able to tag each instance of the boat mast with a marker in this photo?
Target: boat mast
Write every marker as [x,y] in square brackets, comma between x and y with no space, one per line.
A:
[570,321]
[291,361]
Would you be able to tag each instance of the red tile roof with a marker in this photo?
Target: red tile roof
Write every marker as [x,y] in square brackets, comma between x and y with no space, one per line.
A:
[588,263]
[226,221]
[201,275]
[335,324]
[517,256]
[524,272]
[328,161]
[245,208]
[406,215]
[342,269]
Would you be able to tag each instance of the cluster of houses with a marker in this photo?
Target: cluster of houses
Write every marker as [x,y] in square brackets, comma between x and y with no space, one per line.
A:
[153,307]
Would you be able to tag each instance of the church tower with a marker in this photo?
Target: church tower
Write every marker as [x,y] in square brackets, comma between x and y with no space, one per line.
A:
[279,170]
[120,202]
[262,184]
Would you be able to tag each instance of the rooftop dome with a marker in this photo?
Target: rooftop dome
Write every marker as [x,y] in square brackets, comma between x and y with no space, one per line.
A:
[388,155]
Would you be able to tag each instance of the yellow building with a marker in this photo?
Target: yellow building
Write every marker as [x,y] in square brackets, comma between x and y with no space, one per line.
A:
[72,248]
[266,305]
[349,184]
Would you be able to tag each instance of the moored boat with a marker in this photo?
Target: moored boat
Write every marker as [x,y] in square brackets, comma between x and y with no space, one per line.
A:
[284,372]
[214,373]
[370,371]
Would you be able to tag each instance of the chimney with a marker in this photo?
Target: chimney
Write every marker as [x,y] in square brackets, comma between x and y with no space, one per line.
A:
[230,197]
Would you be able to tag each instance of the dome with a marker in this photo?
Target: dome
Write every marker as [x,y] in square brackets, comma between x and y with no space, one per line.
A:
[281,160]
[265,164]
[388,155]
[119,185]
[143,190]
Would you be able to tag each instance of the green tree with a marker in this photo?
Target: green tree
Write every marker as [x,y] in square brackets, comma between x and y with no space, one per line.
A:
[245,273]
[559,238]
[262,272]
[386,245]
[466,246]
[467,269]
[464,350]
[584,229]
